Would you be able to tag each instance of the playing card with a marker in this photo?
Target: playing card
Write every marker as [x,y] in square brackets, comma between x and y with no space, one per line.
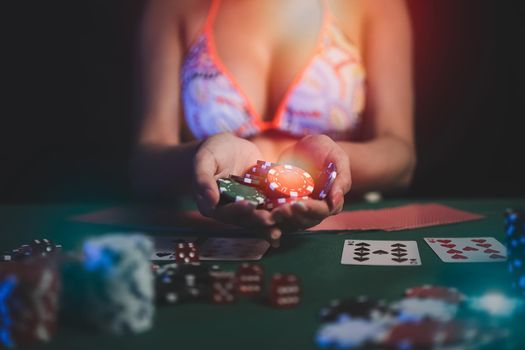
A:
[229,249]
[367,252]
[468,249]
[233,249]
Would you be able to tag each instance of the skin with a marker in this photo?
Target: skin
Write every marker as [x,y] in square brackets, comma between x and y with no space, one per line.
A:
[250,47]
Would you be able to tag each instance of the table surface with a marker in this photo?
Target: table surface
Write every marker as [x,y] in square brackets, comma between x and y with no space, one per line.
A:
[314,257]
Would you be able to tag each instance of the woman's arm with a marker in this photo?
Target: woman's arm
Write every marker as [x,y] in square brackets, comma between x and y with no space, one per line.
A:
[388,160]
[159,158]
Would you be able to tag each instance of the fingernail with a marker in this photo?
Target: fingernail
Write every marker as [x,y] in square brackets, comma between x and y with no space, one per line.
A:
[337,197]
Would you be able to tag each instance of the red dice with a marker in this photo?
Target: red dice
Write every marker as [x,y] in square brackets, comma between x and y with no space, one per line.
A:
[186,253]
[223,287]
[284,291]
[250,279]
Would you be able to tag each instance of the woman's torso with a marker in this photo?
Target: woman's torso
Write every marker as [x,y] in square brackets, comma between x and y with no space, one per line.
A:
[257,66]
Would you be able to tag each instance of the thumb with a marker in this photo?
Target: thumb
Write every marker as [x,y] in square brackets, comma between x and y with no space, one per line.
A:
[206,190]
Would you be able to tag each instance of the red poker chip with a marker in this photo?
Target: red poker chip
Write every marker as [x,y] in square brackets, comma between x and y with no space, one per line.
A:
[428,334]
[289,181]
[450,295]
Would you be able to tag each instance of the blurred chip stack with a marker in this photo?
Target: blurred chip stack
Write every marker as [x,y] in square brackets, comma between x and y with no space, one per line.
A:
[176,283]
[111,286]
[427,317]
[29,294]
[515,242]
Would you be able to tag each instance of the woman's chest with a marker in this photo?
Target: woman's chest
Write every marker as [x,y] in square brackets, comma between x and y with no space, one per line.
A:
[266,46]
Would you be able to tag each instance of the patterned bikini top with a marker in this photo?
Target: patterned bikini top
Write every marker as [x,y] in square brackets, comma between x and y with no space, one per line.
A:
[326,97]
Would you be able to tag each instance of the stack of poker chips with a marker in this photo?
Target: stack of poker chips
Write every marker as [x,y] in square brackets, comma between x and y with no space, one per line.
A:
[37,247]
[177,283]
[110,287]
[29,294]
[268,185]
[427,317]
[515,242]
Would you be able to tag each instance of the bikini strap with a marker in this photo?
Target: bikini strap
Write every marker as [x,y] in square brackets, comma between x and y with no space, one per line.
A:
[212,13]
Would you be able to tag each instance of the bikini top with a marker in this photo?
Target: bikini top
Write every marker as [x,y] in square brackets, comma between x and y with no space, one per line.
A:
[326,97]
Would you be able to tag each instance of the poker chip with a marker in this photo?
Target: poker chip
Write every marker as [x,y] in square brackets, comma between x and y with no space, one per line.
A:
[232,191]
[249,279]
[428,334]
[111,286]
[29,301]
[269,185]
[250,181]
[417,309]
[450,295]
[36,248]
[181,283]
[360,307]
[324,181]
[289,181]
[350,333]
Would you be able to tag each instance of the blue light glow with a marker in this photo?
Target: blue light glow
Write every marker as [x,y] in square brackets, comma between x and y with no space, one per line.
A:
[517,263]
[496,304]
[6,288]
[97,258]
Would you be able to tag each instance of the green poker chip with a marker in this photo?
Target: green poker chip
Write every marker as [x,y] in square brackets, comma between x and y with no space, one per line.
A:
[232,191]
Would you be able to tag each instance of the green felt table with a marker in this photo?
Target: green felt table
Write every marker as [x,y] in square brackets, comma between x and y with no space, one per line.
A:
[314,257]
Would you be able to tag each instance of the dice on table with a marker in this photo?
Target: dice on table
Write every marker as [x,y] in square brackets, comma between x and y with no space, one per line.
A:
[284,290]
[223,287]
[250,279]
[186,252]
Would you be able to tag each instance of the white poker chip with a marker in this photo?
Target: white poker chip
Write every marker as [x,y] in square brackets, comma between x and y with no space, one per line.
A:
[417,309]
[350,333]
[373,197]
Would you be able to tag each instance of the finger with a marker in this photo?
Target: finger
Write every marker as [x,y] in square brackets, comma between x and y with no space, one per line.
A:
[243,214]
[206,191]
[275,234]
[301,215]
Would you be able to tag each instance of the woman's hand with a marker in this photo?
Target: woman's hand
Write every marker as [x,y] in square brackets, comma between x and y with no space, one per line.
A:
[313,153]
[219,156]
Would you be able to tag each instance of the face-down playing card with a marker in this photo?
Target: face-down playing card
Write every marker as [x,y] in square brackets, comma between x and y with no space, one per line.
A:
[398,218]
[468,249]
[386,253]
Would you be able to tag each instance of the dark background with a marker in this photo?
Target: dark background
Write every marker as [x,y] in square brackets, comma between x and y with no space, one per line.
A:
[67,120]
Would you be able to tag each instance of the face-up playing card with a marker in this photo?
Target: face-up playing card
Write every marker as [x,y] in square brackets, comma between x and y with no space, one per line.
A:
[228,249]
[366,252]
[469,249]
